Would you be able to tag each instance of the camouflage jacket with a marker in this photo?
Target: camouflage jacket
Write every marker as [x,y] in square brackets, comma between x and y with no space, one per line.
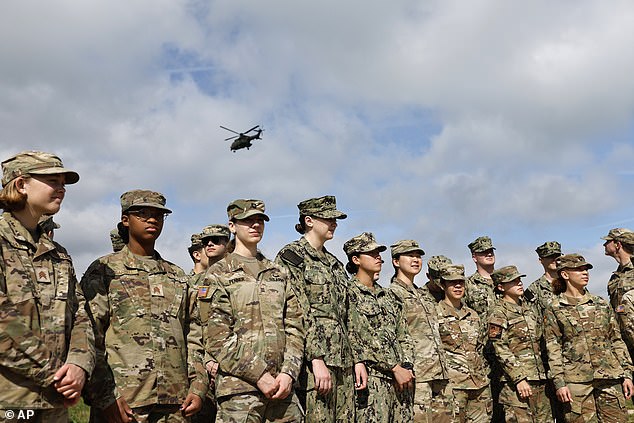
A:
[479,295]
[420,313]
[541,292]
[321,285]
[463,341]
[378,330]
[625,317]
[516,333]
[43,324]
[147,332]
[621,281]
[619,287]
[255,323]
[583,341]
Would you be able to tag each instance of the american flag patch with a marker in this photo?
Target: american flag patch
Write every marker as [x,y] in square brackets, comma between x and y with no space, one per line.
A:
[620,308]
[202,291]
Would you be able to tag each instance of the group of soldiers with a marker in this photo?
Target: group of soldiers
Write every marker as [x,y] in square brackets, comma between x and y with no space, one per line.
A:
[304,337]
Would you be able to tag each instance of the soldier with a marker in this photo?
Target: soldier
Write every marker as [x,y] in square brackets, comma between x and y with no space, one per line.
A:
[588,360]
[515,329]
[46,341]
[255,330]
[215,239]
[197,254]
[147,330]
[541,290]
[379,337]
[116,238]
[463,341]
[48,226]
[433,401]
[479,293]
[433,288]
[326,382]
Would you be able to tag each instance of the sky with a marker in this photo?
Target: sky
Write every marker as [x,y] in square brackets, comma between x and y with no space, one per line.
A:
[438,121]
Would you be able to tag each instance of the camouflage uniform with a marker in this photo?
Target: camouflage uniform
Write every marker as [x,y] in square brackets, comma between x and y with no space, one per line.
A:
[433,289]
[463,341]
[147,330]
[586,353]
[43,324]
[433,401]
[516,333]
[321,284]
[541,291]
[255,326]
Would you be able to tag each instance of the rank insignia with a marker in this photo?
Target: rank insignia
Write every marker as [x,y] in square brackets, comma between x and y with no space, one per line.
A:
[42,275]
[157,290]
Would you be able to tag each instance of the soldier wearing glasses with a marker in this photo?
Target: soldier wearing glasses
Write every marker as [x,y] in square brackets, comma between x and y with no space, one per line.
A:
[147,329]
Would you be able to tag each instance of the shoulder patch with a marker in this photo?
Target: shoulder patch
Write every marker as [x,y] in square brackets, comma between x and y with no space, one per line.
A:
[202,291]
[495,331]
[292,257]
[620,309]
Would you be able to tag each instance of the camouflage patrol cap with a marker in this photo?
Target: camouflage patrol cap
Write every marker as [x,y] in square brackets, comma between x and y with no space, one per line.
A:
[480,244]
[615,233]
[434,264]
[241,209]
[572,261]
[115,239]
[506,274]
[405,246]
[215,230]
[196,242]
[363,243]
[452,272]
[549,248]
[143,198]
[324,207]
[35,163]
[627,238]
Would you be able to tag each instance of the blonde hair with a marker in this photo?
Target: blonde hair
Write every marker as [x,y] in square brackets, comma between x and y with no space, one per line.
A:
[11,199]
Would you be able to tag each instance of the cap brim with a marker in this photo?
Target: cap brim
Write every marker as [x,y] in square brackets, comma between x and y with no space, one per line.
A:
[72,177]
[411,250]
[607,238]
[251,213]
[331,214]
[153,205]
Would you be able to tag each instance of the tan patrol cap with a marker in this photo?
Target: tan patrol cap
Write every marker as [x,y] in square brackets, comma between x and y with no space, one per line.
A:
[241,209]
[363,243]
[405,246]
[506,274]
[35,163]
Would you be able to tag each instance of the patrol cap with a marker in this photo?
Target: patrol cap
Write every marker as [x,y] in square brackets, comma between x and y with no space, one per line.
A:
[35,163]
[324,207]
[452,272]
[405,246]
[481,244]
[615,233]
[549,248]
[196,242]
[506,274]
[434,264]
[363,243]
[215,230]
[143,198]
[241,209]
[627,238]
[572,261]
[116,240]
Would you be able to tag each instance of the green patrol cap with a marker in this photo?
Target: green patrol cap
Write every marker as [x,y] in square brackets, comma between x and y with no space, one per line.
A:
[324,207]
[615,233]
[452,272]
[549,248]
[506,274]
[627,238]
[197,243]
[116,240]
[434,264]
[405,246]
[572,261]
[215,230]
[363,243]
[143,198]
[481,244]
[241,209]
[35,163]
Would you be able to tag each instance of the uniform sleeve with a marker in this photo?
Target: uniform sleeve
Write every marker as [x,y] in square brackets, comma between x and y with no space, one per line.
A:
[499,335]
[81,349]
[197,374]
[315,342]
[618,346]
[553,336]
[403,336]
[355,328]
[625,317]
[222,343]
[99,391]
[22,351]
[294,331]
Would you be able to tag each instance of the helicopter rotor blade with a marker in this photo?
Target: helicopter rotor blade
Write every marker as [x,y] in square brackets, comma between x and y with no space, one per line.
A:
[246,132]
[230,130]
[230,138]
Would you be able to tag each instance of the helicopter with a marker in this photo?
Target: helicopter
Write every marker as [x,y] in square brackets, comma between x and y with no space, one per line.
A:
[242,139]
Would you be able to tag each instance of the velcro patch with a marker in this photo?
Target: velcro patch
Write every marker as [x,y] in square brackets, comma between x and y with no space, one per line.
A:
[495,331]
[202,291]
[620,308]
